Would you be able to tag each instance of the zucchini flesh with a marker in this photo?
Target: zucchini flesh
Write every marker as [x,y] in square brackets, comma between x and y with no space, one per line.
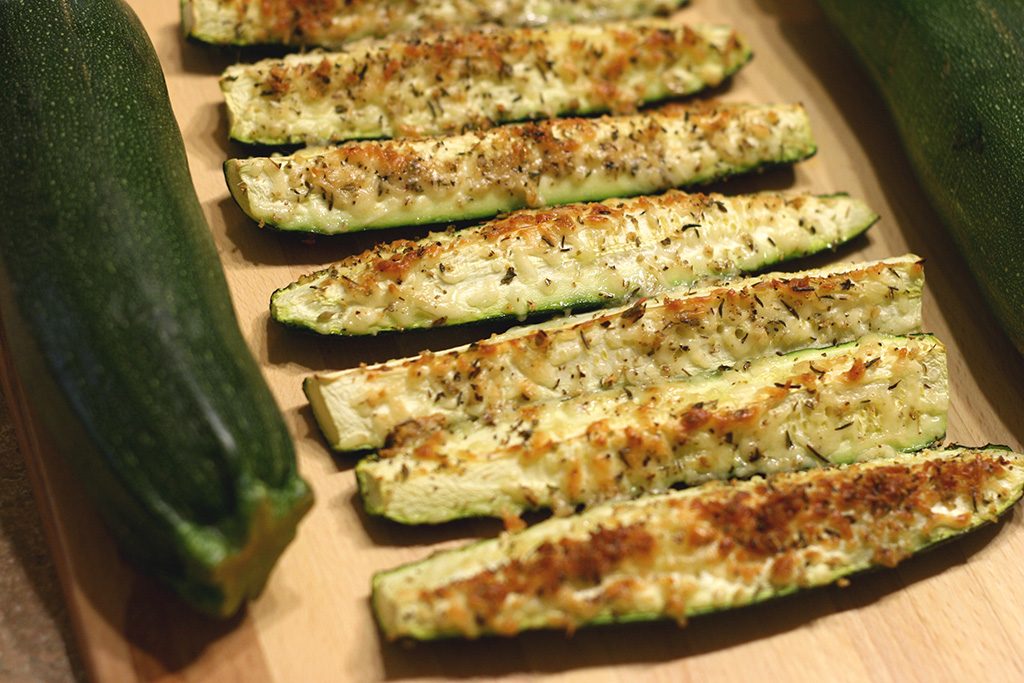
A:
[118,313]
[332,23]
[406,182]
[679,334]
[706,549]
[451,82]
[865,399]
[576,256]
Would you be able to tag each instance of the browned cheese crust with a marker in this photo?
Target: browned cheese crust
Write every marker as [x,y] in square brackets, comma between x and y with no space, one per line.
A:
[775,521]
[460,59]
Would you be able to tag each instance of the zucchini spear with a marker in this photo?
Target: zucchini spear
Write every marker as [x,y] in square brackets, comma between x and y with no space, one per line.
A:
[577,256]
[451,82]
[706,549]
[679,334]
[332,23]
[865,399]
[383,184]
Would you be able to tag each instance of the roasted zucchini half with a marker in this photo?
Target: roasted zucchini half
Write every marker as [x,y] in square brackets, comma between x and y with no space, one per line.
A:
[383,184]
[866,399]
[571,257]
[332,23]
[451,82]
[683,333]
[706,549]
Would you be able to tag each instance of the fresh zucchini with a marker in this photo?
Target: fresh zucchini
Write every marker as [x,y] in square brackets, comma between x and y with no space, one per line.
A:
[477,175]
[576,256]
[332,23]
[118,314]
[815,407]
[454,81]
[951,75]
[680,334]
[706,549]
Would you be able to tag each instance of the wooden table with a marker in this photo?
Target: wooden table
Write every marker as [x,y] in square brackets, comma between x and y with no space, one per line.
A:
[953,614]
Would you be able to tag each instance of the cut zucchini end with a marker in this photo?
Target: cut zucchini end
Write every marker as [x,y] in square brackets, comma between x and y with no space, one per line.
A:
[188,18]
[369,492]
[237,574]
[313,389]
[239,191]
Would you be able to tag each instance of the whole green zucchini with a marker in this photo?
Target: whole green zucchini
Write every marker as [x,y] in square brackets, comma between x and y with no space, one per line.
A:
[951,73]
[118,313]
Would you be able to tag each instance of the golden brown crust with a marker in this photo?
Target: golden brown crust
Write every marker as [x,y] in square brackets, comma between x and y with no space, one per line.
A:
[888,510]
[474,78]
[540,228]
[517,154]
[552,566]
[457,57]
[292,20]
[881,502]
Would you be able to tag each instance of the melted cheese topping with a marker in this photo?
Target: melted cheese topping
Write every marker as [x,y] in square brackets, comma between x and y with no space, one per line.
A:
[403,182]
[572,256]
[863,400]
[332,23]
[710,548]
[450,82]
[680,334]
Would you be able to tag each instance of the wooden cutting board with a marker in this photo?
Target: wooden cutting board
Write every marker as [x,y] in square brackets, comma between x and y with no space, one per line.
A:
[953,614]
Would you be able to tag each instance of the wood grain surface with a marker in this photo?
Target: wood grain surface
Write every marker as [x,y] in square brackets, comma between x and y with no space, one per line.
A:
[953,614]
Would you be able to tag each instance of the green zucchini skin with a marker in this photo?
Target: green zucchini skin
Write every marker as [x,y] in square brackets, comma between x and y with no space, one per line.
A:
[950,73]
[119,316]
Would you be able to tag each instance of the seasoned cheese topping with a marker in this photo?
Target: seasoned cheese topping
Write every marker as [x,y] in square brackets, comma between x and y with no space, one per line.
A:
[451,82]
[680,334]
[558,259]
[862,400]
[705,549]
[332,23]
[403,182]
